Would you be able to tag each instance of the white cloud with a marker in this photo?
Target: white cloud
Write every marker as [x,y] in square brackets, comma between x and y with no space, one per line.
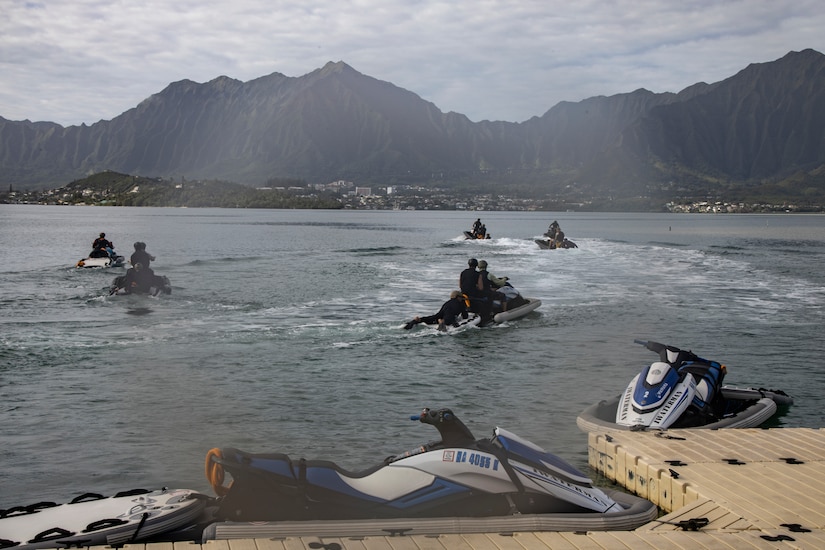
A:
[86,60]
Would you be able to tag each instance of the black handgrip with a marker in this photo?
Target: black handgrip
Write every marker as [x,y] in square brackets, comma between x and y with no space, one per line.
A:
[86,497]
[104,524]
[51,534]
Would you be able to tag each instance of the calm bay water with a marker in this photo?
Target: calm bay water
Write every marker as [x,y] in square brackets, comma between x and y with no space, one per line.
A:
[282,332]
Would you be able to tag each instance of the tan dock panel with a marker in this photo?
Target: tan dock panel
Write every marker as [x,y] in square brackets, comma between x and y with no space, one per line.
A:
[739,480]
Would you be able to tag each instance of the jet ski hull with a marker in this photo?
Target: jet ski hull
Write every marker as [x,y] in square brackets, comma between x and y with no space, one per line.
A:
[104,261]
[160,286]
[517,312]
[635,513]
[544,244]
[469,235]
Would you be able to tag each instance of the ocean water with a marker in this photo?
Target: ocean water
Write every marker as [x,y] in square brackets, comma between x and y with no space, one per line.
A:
[282,332]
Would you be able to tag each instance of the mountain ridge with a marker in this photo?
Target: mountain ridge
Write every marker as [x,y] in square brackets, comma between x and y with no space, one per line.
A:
[766,122]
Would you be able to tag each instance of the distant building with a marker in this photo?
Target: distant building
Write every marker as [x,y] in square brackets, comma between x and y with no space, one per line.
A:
[363,191]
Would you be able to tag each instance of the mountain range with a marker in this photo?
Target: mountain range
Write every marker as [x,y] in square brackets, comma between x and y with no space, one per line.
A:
[762,128]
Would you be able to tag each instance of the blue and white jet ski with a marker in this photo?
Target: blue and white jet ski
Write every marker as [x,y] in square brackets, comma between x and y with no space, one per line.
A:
[682,390]
[455,476]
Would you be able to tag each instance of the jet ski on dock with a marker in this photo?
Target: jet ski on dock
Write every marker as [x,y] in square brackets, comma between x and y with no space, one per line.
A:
[504,482]
[682,390]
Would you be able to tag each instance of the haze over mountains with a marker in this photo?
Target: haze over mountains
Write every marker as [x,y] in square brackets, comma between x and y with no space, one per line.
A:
[764,125]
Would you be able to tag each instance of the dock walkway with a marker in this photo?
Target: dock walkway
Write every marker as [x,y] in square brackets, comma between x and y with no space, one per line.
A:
[719,489]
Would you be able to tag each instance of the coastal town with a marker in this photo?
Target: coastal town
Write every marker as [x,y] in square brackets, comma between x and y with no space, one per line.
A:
[342,194]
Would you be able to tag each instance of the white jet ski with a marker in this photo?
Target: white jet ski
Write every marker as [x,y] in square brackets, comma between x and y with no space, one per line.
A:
[94,520]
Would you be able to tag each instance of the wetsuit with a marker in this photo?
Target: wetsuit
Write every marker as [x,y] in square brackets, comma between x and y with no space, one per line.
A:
[141,257]
[450,311]
[102,248]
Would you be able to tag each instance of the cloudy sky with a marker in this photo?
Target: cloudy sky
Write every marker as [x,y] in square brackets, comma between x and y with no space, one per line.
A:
[75,61]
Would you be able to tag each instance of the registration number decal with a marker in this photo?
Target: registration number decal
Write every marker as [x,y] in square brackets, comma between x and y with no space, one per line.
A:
[475,459]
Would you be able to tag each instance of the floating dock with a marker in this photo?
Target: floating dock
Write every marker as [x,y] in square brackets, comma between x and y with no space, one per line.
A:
[750,488]
[731,489]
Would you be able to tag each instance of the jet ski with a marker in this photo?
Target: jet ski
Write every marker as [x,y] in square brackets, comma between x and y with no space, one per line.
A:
[682,390]
[471,235]
[514,307]
[102,261]
[94,520]
[554,238]
[550,244]
[454,476]
[156,284]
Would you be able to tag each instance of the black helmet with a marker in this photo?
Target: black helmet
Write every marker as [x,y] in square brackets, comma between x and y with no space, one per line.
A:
[102,235]
[472,262]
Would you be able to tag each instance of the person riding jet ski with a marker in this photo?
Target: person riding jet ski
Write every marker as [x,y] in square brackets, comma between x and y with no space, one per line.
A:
[475,288]
[140,256]
[102,248]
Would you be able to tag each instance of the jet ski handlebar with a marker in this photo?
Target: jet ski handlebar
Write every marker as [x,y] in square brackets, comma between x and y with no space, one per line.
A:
[429,416]
[453,431]
[670,354]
